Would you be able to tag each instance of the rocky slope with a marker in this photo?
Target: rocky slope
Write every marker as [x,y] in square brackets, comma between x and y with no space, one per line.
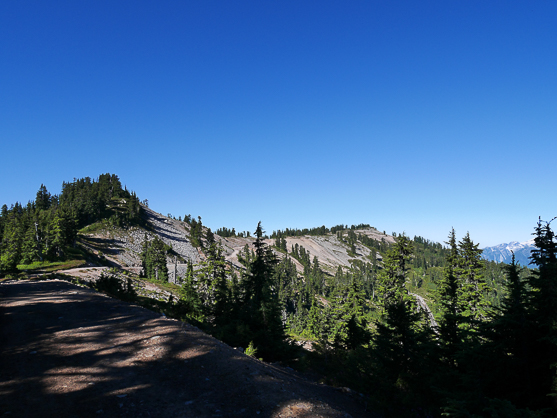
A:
[123,247]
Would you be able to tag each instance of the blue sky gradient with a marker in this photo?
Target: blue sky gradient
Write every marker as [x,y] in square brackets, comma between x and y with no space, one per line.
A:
[409,116]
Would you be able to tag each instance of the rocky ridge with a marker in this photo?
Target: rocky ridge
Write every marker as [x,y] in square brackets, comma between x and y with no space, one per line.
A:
[123,247]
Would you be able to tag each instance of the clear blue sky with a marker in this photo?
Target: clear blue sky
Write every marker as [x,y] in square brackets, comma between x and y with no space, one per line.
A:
[413,116]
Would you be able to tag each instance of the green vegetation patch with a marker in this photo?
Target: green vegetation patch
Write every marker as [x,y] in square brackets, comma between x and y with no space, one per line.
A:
[93,228]
[49,266]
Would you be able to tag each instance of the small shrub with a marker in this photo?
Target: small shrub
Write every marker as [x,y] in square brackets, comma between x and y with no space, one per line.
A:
[251,350]
[116,287]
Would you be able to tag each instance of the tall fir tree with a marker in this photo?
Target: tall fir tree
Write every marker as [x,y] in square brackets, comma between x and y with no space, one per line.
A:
[448,303]
[189,303]
[153,258]
[543,305]
[212,284]
[401,349]
[507,358]
[261,309]
[473,288]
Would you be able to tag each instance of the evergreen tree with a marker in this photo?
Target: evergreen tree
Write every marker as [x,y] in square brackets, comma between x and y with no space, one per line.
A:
[401,346]
[507,356]
[447,296]
[462,297]
[283,245]
[189,303]
[12,241]
[153,259]
[315,322]
[261,309]
[210,237]
[212,284]
[472,289]
[257,284]
[316,276]
[357,332]
[43,198]
[30,250]
[543,308]
[392,280]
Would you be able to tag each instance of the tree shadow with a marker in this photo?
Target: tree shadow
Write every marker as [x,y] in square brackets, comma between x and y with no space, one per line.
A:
[69,351]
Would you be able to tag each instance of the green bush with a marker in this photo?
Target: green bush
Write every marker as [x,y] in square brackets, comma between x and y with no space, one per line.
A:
[251,350]
[122,289]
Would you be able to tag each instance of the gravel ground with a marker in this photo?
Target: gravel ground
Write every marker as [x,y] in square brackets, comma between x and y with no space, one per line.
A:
[67,351]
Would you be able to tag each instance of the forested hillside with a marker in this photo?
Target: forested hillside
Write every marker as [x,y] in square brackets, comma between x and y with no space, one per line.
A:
[418,327]
[45,229]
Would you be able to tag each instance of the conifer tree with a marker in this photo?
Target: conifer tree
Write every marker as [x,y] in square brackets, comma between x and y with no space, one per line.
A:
[43,198]
[357,332]
[448,302]
[543,314]
[30,246]
[507,356]
[257,284]
[473,288]
[13,233]
[190,302]
[315,321]
[462,297]
[261,310]
[211,284]
[401,344]
[153,259]
[210,237]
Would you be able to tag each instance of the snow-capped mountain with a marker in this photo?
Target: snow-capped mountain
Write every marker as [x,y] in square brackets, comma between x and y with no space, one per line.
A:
[502,252]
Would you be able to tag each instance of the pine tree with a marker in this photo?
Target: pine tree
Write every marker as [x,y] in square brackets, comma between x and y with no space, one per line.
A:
[473,288]
[401,345]
[315,321]
[543,306]
[210,237]
[30,251]
[316,276]
[261,309]
[14,228]
[257,283]
[507,356]
[43,198]
[392,280]
[153,258]
[448,302]
[211,284]
[462,298]
[357,332]
[189,303]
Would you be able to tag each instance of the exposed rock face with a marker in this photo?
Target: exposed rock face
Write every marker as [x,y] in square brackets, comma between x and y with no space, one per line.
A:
[330,252]
[175,234]
[422,305]
[124,247]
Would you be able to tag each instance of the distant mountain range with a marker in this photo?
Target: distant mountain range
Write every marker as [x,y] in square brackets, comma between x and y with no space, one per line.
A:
[502,253]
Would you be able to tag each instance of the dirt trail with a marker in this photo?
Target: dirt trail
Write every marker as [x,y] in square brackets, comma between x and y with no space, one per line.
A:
[67,351]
